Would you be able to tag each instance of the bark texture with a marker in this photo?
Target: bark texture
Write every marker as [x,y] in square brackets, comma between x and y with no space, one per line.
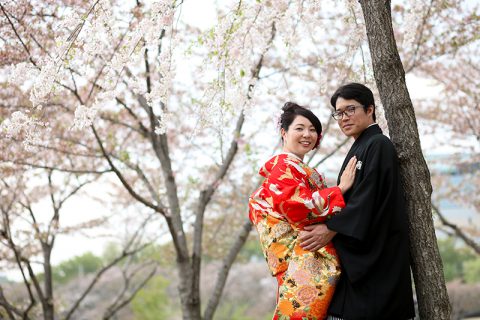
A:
[389,74]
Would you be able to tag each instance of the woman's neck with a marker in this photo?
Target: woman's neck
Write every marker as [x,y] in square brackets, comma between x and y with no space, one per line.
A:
[293,154]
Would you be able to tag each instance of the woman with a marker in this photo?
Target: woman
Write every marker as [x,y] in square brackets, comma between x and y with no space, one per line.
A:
[292,196]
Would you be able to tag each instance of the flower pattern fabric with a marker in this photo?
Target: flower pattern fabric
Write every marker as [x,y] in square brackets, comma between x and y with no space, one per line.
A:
[292,196]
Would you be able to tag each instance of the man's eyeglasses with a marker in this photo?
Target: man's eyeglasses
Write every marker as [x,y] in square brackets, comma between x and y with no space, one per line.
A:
[349,111]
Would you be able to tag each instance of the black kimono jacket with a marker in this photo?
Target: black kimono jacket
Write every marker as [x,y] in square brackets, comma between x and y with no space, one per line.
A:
[372,239]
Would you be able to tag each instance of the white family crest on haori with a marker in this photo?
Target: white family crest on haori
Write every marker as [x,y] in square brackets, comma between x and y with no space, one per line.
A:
[359,165]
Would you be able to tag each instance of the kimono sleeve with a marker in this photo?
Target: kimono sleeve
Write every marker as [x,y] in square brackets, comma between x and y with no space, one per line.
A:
[277,237]
[362,226]
[294,197]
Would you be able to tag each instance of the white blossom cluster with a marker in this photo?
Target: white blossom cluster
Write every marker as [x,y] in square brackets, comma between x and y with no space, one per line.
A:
[45,82]
[235,45]
[20,124]
[88,45]
[84,117]
[104,52]
[412,21]
[22,73]
[357,34]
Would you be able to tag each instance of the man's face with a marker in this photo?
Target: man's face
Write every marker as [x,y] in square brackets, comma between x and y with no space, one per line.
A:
[353,125]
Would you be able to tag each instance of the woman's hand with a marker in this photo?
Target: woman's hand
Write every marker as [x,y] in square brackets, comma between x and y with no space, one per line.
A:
[348,175]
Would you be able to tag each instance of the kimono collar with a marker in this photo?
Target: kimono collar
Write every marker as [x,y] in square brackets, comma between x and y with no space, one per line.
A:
[370,131]
[292,155]
[270,164]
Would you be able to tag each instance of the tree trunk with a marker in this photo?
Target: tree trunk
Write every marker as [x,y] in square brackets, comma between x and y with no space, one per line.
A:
[390,79]
[225,269]
[48,307]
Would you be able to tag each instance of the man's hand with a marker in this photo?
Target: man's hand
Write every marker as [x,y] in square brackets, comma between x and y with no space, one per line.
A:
[315,237]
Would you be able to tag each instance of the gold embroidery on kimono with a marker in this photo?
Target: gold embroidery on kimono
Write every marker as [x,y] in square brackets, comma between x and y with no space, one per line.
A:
[292,196]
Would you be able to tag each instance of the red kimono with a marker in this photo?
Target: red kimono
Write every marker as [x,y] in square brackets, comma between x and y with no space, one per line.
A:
[292,196]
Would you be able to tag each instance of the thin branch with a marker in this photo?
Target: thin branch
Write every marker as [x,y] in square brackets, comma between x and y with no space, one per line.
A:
[122,179]
[331,153]
[37,286]
[18,36]
[413,63]
[74,191]
[160,147]
[58,206]
[18,259]
[225,268]
[75,171]
[206,194]
[99,74]
[457,231]
[98,276]
[9,308]
[123,124]
[35,226]
[114,308]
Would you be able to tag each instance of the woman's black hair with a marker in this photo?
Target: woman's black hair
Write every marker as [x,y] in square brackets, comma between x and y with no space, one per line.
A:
[291,110]
[357,92]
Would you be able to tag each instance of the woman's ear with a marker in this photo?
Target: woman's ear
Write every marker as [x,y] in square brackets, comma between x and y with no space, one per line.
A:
[318,141]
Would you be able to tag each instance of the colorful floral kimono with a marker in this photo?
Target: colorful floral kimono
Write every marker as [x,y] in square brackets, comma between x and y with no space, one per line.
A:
[292,196]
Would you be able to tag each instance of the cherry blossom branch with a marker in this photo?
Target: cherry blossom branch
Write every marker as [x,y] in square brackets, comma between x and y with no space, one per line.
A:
[122,179]
[34,223]
[38,288]
[62,151]
[99,274]
[7,236]
[456,230]
[125,253]
[147,183]
[344,141]
[10,309]
[59,169]
[17,35]
[99,74]
[144,131]
[207,193]
[119,303]
[413,58]
[173,218]
[57,205]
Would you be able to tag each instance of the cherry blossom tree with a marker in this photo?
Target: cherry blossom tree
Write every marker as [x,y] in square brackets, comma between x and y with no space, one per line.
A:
[175,115]
[29,232]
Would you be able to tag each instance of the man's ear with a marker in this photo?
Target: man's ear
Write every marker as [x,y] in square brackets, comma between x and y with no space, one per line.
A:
[370,110]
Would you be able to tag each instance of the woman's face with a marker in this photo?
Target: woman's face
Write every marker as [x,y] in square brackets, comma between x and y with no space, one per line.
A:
[300,137]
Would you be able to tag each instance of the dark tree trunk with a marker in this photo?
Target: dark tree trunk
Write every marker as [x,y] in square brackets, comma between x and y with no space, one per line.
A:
[49,311]
[390,79]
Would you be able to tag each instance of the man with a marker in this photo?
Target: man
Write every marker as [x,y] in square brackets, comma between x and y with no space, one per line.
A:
[371,232]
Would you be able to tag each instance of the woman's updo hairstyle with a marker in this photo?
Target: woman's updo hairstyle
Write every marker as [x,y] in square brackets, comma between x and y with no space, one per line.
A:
[291,110]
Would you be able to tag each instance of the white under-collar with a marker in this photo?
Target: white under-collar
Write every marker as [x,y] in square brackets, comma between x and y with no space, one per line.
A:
[293,155]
